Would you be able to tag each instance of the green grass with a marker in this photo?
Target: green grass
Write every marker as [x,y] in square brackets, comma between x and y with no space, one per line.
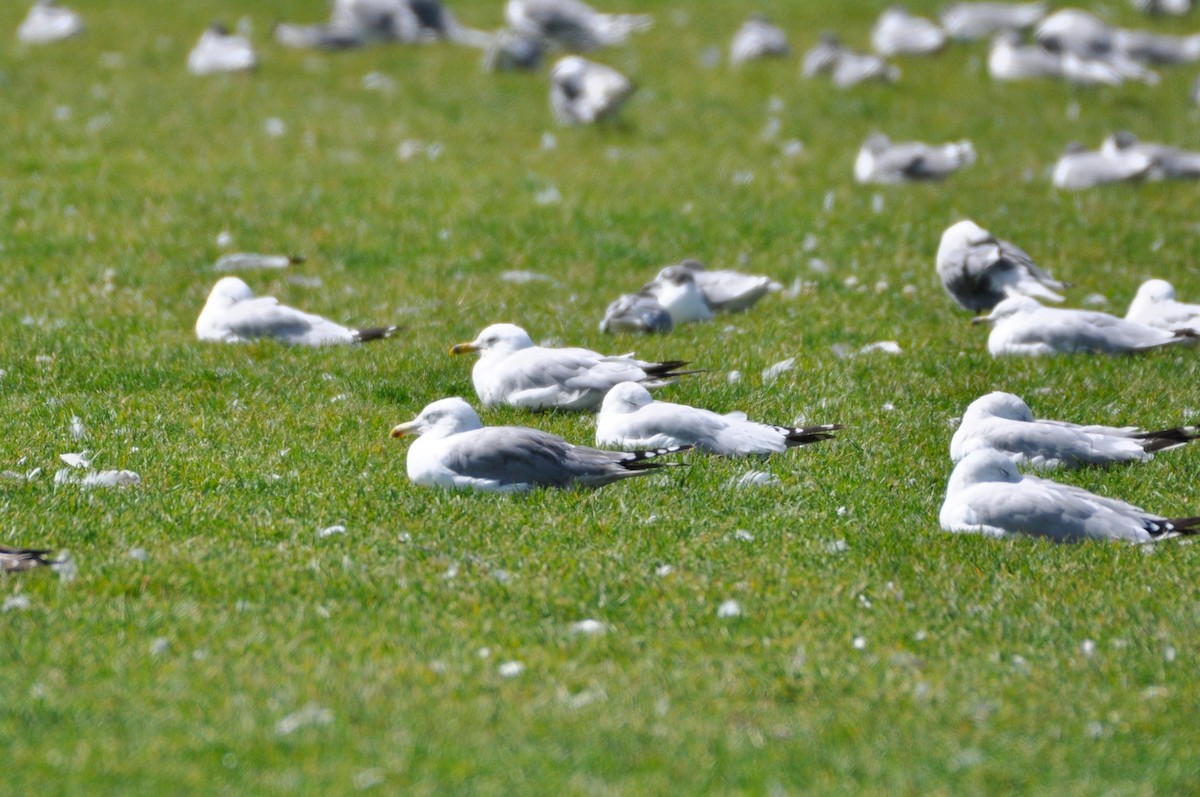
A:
[172,675]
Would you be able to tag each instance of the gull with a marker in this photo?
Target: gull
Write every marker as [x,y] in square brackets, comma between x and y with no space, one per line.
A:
[1009,59]
[219,51]
[49,22]
[971,21]
[1004,422]
[629,417]
[729,291]
[512,370]
[1079,168]
[677,290]
[1165,161]
[898,32]
[1087,47]
[987,495]
[584,92]
[846,67]
[456,451]
[572,24]
[636,312]
[405,21]
[510,51]
[17,560]
[758,38]
[1022,326]
[881,161]
[1156,48]
[978,270]
[1175,7]
[233,314]
[1155,305]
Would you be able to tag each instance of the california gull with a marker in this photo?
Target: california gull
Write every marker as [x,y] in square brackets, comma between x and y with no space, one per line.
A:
[629,417]
[233,314]
[881,161]
[220,51]
[512,370]
[584,92]
[1155,305]
[979,270]
[987,495]
[456,451]
[1004,422]
[1022,326]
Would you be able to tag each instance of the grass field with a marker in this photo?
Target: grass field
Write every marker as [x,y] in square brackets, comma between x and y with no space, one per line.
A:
[244,653]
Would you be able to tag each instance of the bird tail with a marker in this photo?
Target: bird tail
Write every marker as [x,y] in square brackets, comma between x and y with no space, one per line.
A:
[373,333]
[14,560]
[1163,439]
[804,435]
[669,369]
[1174,527]
[640,460]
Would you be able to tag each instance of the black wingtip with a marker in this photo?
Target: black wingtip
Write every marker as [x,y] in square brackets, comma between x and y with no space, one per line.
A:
[804,435]
[373,333]
[1175,527]
[643,459]
[1163,439]
[14,560]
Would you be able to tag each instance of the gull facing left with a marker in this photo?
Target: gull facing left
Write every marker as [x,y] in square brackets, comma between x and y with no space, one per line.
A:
[979,270]
[987,495]
[456,451]
[1023,326]
[629,417]
[233,314]
[1004,422]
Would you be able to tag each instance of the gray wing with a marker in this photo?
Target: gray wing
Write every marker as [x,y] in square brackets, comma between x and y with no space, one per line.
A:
[264,317]
[1081,330]
[731,291]
[636,312]
[515,455]
[1047,509]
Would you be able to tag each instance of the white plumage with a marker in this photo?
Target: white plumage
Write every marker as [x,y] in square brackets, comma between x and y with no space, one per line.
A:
[49,22]
[1155,305]
[584,92]
[881,161]
[1022,326]
[979,270]
[987,495]
[220,51]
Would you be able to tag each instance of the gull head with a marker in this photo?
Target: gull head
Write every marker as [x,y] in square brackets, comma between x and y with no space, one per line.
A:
[877,144]
[1120,141]
[1155,291]
[571,67]
[958,239]
[998,404]
[983,466]
[229,291]
[626,397]
[498,338]
[1009,308]
[442,418]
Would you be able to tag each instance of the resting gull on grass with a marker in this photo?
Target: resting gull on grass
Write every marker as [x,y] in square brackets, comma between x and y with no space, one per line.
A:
[220,51]
[17,560]
[1155,305]
[758,38]
[636,312]
[584,92]
[629,417]
[49,22]
[1022,326]
[846,67]
[1079,168]
[978,270]
[456,451]
[1010,59]
[881,161]
[897,32]
[233,314]
[572,24]
[987,495]
[512,370]
[971,21]
[1004,422]
[1165,161]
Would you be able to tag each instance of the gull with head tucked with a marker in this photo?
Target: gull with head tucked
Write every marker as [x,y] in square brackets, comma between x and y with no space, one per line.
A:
[629,417]
[512,370]
[1155,305]
[1022,326]
[233,314]
[978,270]
[456,451]
[987,495]
[1004,422]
